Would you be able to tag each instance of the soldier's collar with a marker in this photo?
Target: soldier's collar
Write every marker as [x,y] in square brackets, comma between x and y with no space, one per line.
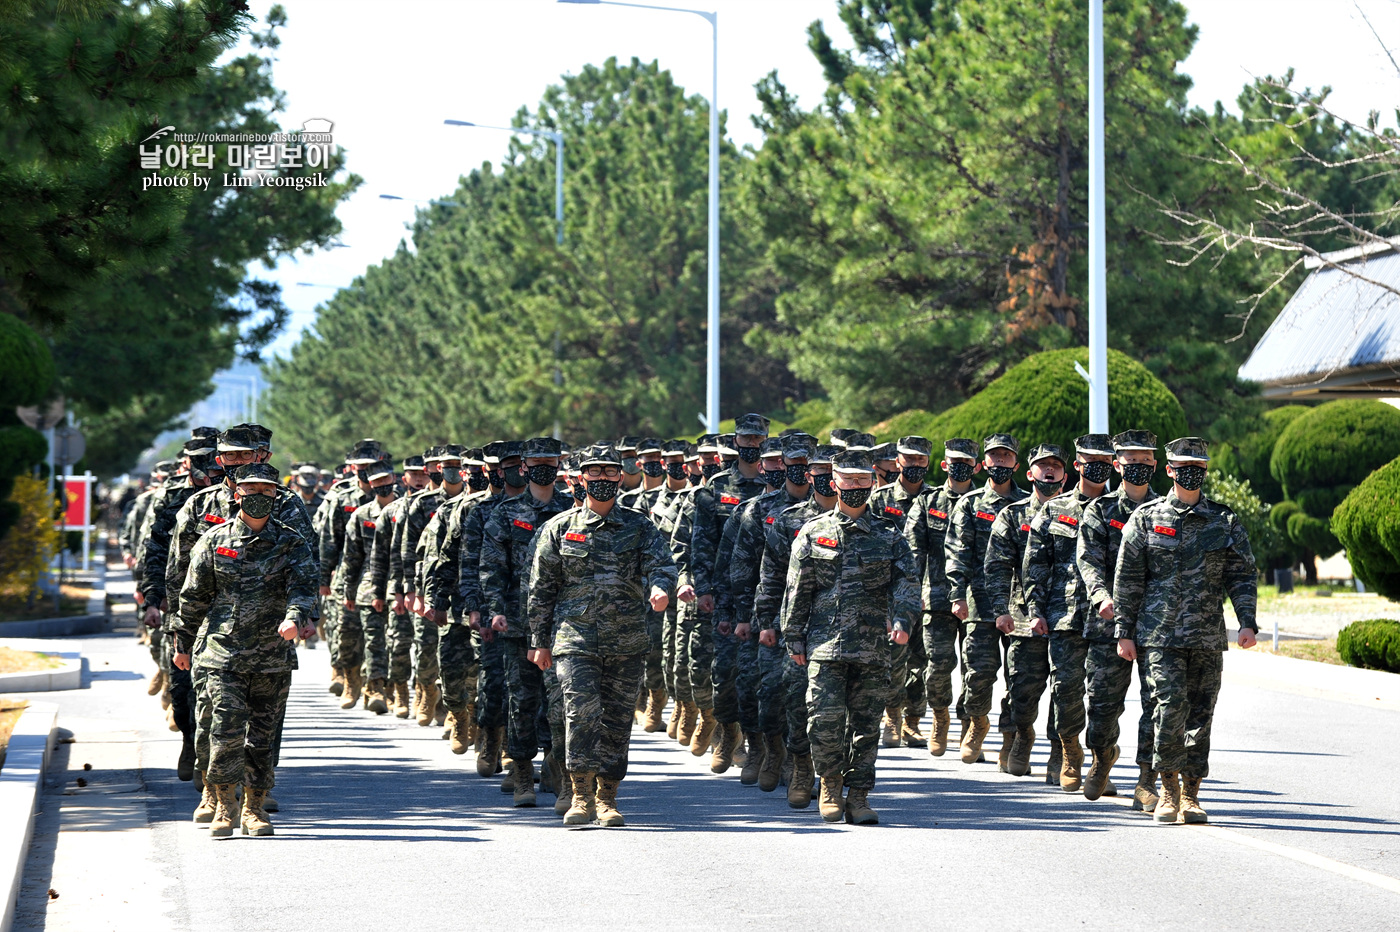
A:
[863,522]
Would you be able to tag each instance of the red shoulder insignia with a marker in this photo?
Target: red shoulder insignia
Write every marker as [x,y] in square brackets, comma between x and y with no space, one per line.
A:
[368,523]
[226,552]
[1025,528]
[1114,522]
[769,520]
[1068,519]
[576,536]
[214,519]
[826,541]
[523,525]
[891,510]
[730,500]
[1161,529]
[986,516]
[349,507]
[937,514]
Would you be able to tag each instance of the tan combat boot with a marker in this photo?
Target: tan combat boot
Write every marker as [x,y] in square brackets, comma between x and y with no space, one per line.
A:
[771,773]
[831,805]
[858,811]
[439,709]
[400,691]
[1169,803]
[1096,781]
[447,725]
[255,820]
[157,683]
[170,719]
[351,697]
[1145,793]
[427,700]
[549,774]
[1056,762]
[337,681]
[800,786]
[204,812]
[723,758]
[690,717]
[374,696]
[753,760]
[523,783]
[225,811]
[608,814]
[973,736]
[639,708]
[910,735]
[656,707]
[704,733]
[473,732]
[1008,741]
[675,721]
[938,743]
[459,738]
[1191,811]
[488,754]
[889,727]
[583,809]
[565,797]
[1072,769]
[1020,763]
[432,705]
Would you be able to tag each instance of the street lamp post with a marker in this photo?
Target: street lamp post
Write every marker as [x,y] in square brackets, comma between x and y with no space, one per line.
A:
[1098,297]
[712,366]
[558,164]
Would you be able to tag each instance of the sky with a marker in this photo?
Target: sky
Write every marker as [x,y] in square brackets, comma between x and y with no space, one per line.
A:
[389,81]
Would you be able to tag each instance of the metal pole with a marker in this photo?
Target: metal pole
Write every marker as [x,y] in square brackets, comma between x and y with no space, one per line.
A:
[712,370]
[87,514]
[559,187]
[1098,338]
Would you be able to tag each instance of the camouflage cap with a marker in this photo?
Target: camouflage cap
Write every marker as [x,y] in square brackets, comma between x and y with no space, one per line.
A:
[708,443]
[1135,440]
[472,456]
[511,448]
[450,451]
[915,445]
[824,452]
[960,447]
[307,475]
[883,451]
[751,425]
[799,444]
[724,444]
[1001,442]
[853,461]
[365,452]
[164,467]
[1101,444]
[599,454]
[413,463]
[839,436]
[237,438]
[648,445]
[204,433]
[256,472]
[788,432]
[541,446]
[675,448]
[627,445]
[771,446]
[197,446]
[264,435]
[860,441]
[493,452]
[1047,451]
[328,474]
[379,468]
[692,453]
[1188,448]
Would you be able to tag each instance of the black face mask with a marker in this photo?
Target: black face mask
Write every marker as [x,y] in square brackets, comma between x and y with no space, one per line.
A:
[1049,487]
[821,484]
[629,465]
[384,491]
[854,498]
[452,475]
[580,493]
[602,490]
[774,477]
[1000,474]
[696,480]
[477,480]
[435,477]
[709,469]
[914,475]
[748,454]
[676,471]
[1096,472]
[1138,473]
[889,475]
[654,468]
[960,471]
[797,473]
[544,474]
[496,480]
[257,505]
[1190,478]
[516,477]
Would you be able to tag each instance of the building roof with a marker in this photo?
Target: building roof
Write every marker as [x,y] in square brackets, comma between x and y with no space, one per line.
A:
[1339,335]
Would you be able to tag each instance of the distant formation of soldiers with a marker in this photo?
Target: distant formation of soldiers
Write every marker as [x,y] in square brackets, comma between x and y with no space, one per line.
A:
[797,604]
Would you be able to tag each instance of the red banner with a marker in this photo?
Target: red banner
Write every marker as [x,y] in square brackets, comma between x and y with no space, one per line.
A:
[75,516]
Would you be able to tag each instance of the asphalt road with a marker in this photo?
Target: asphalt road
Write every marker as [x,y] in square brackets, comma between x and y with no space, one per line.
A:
[382,827]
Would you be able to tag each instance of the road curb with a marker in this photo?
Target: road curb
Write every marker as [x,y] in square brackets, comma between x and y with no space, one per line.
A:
[55,627]
[69,675]
[21,782]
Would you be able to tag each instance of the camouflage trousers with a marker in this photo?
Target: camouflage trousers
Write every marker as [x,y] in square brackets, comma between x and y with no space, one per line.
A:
[1110,676]
[554,712]
[203,717]
[181,683]
[677,678]
[400,645]
[795,705]
[697,635]
[376,643]
[735,677]
[845,702]
[724,673]
[425,643]
[941,648]
[1068,652]
[1028,665]
[349,653]
[655,658]
[599,696]
[1185,684]
[907,662]
[246,711]
[772,691]
[490,682]
[747,684]
[983,648]
[458,666]
[524,700]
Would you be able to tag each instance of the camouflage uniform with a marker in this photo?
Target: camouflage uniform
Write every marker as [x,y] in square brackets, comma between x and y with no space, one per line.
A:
[370,649]
[1109,676]
[894,504]
[458,665]
[645,501]
[666,514]
[588,588]
[1176,564]
[386,583]
[421,508]
[848,578]
[491,688]
[926,532]
[339,508]
[240,586]
[1028,655]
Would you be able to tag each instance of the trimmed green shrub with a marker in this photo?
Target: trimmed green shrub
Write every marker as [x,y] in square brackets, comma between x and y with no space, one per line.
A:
[26,366]
[1312,533]
[1255,516]
[1368,524]
[1280,513]
[1042,399]
[1372,644]
[1249,458]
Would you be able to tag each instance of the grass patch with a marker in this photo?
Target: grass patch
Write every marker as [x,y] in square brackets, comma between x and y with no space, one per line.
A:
[24,661]
[72,601]
[1319,651]
[10,711]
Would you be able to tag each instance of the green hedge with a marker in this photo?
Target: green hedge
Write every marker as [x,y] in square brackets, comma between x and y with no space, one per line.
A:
[26,366]
[1372,644]
[1368,524]
[1249,458]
